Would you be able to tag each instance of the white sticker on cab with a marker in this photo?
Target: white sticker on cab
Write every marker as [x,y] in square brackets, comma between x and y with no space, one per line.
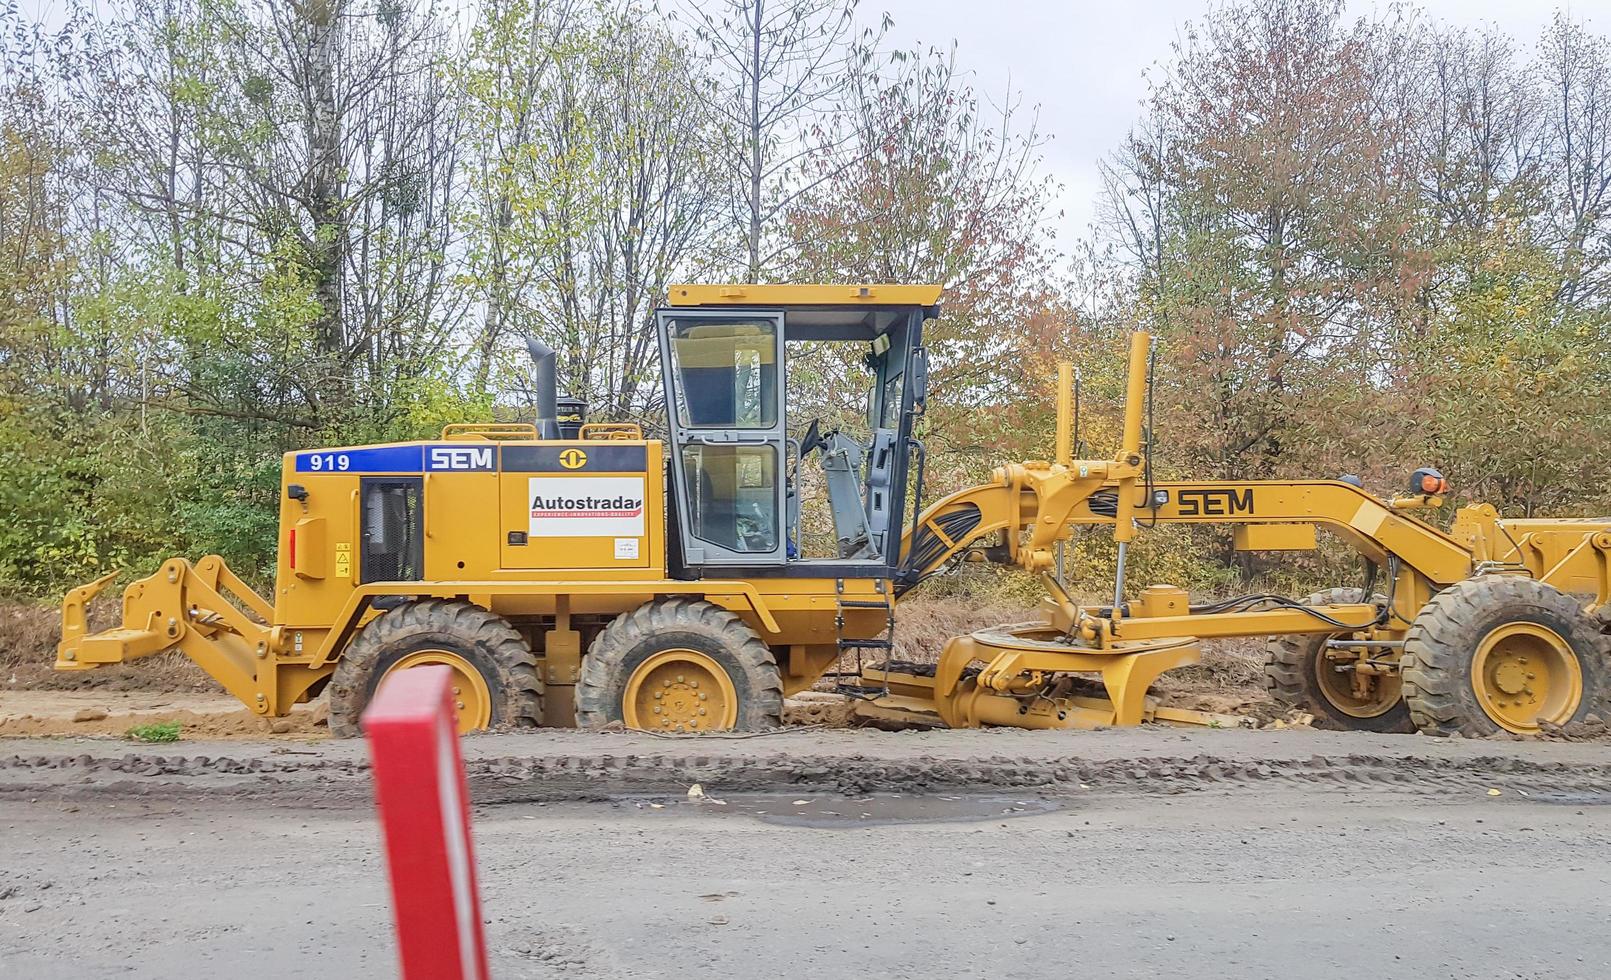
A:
[626,549]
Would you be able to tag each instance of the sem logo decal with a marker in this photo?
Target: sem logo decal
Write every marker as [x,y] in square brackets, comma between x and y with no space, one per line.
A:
[1215,503]
[573,459]
[459,458]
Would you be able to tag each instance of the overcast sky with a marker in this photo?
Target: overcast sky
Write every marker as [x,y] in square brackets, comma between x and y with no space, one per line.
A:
[1083,62]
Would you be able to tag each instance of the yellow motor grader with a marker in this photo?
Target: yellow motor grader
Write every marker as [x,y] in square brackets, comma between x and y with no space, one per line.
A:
[575,573]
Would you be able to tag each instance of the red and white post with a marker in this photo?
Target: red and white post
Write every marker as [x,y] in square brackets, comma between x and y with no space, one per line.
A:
[424,809]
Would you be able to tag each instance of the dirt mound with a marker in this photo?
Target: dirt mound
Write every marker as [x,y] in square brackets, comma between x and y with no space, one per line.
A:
[28,635]
[818,708]
[923,625]
[602,763]
[167,673]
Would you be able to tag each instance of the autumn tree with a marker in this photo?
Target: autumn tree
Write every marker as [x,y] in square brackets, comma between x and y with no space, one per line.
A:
[594,183]
[1265,200]
[945,187]
[514,48]
[1575,68]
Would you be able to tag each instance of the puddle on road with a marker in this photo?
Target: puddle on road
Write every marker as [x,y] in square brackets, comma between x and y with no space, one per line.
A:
[876,810]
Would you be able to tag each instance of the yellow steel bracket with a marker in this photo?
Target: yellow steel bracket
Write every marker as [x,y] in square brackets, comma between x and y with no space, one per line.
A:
[489,430]
[1601,541]
[178,607]
[1589,561]
[1062,612]
[75,620]
[1135,393]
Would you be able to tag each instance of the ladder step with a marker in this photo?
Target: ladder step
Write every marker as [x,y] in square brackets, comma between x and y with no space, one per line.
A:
[876,644]
[862,604]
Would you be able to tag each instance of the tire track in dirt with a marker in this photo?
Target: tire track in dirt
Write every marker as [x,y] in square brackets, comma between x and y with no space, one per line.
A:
[513,779]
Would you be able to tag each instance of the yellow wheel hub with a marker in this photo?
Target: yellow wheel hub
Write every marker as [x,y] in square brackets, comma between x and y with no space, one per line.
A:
[679,691]
[1354,693]
[1523,674]
[471,698]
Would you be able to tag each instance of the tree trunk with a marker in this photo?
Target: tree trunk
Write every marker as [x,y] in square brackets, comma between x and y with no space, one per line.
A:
[328,249]
[754,237]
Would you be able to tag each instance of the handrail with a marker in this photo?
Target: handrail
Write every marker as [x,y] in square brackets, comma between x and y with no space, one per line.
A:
[613,431]
[489,430]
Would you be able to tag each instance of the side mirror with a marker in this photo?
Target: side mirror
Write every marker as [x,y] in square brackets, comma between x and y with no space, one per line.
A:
[919,378]
[812,440]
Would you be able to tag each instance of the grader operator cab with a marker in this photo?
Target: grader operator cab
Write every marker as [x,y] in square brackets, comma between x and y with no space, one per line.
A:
[574,573]
[737,473]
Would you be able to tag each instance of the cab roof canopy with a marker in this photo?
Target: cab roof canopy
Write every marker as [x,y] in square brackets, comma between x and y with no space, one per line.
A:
[819,312]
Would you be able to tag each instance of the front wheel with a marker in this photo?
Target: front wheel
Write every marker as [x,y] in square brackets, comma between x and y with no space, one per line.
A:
[679,665]
[1502,653]
[495,682]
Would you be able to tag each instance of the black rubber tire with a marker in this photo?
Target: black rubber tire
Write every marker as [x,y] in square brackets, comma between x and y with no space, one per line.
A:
[487,641]
[694,624]
[1443,641]
[1289,675]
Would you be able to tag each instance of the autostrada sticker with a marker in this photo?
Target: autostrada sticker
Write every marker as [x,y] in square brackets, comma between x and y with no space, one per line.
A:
[586,506]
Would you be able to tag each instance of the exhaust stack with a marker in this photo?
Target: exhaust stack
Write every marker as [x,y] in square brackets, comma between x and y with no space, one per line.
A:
[572,416]
[542,359]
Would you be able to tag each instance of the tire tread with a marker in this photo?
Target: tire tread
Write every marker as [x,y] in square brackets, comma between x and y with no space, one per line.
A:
[353,680]
[602,679]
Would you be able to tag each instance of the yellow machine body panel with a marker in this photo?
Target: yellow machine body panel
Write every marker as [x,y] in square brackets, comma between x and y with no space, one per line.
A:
[488,511]
[589,506]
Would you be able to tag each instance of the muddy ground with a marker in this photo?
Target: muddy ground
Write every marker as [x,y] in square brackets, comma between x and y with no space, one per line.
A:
[1144,852]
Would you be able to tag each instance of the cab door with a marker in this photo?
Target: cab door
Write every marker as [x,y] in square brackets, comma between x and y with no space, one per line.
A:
[724,405]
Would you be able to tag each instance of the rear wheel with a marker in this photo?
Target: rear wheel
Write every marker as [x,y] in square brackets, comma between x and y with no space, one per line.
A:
[1298,673]
[1502,653]
[495,679]
[679,665]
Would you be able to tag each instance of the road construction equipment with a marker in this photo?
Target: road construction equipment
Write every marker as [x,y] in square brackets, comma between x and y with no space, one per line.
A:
[574,572]
[1478,632]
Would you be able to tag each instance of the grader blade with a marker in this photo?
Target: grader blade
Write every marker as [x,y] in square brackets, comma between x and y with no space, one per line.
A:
[1032,677]
[911,710]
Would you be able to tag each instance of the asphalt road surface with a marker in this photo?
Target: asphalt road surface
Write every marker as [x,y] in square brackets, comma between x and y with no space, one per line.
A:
[1222,854]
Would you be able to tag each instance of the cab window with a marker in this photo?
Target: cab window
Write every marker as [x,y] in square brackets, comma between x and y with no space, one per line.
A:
[726,373]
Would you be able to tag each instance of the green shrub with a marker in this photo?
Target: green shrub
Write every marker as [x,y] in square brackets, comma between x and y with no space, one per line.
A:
[167,731]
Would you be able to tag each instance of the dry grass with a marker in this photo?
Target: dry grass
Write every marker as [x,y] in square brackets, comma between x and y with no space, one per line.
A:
[28,635]
[1232,666]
